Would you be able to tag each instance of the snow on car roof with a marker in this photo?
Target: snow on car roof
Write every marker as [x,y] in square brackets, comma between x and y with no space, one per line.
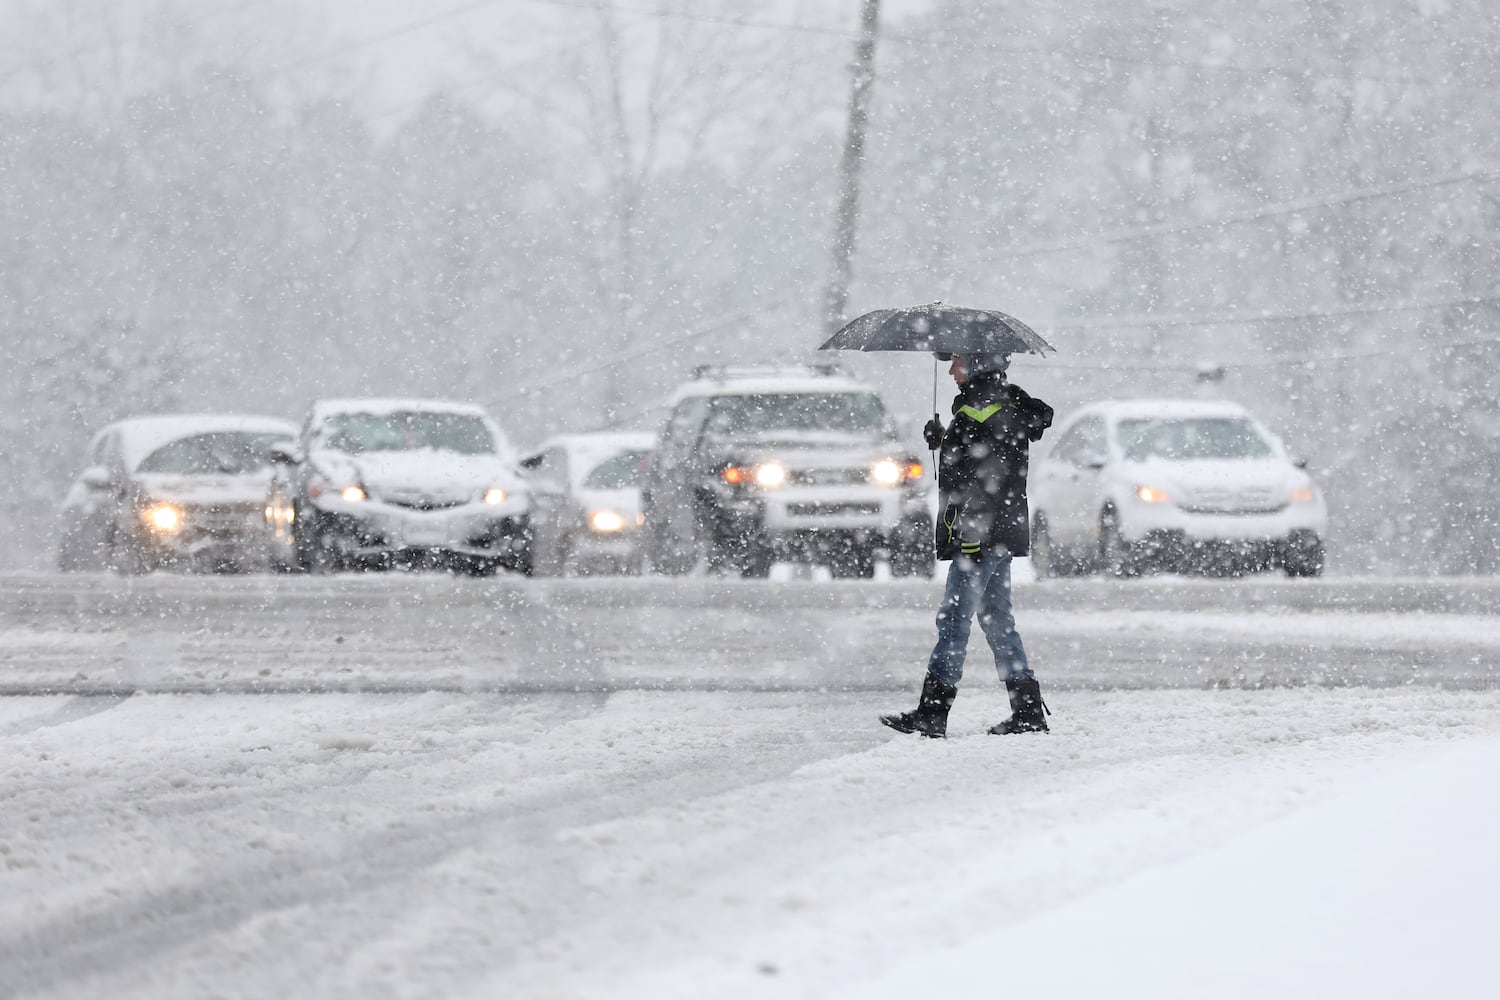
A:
[765,384]
[140,436]
[1138,408]
[392,405]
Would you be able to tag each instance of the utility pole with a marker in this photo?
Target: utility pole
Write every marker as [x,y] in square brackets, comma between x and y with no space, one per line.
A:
[837,297]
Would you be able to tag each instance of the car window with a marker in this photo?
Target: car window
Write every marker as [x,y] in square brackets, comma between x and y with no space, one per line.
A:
[223,453]
[846,412]
[1084,443]
[621,472]
[1191,438]
[681,433]
[407,430]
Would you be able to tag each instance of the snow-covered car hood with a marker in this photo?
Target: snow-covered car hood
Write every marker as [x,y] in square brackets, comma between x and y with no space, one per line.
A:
[1217,484]
[205,490]
[428,474]
[803,451]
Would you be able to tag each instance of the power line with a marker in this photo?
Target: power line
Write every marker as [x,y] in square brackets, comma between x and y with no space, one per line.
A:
[1255,319]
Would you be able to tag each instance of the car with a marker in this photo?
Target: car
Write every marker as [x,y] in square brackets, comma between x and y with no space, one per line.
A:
[380,483]
[173,490]
[763,464]
[1130,486]
[588,500]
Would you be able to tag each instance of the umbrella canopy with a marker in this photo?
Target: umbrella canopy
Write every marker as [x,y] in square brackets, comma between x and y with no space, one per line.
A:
[938,327]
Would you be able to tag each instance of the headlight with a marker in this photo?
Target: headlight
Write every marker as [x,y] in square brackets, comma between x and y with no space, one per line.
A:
[886,472]
[1303,494]
[494,496]
[163,518]
[606,521]
[1151,494]
[352,494]
[767,475]
[770,475]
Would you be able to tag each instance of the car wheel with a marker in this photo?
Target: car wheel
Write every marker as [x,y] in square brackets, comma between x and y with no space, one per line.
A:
[127,558]
[1115,557]
[853,563]
[669,554]
[1043,561]
[911,551]
[756,558]
[1304,555]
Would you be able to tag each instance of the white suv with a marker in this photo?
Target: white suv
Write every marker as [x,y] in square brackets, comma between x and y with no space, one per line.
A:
[1172,484]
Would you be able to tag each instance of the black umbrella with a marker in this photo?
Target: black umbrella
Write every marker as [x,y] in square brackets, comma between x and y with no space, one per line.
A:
[940,328]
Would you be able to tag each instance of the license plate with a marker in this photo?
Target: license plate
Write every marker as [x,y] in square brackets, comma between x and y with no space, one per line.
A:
[425,534]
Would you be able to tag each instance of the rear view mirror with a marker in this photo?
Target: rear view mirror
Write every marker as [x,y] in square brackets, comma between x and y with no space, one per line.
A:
[284,454]
[97,477]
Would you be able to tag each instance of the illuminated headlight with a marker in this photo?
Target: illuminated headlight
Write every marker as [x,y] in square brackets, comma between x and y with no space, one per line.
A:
[352,494]
[163,518]
[1151,494]
[1303,494]
[494,496]
[770,475]
[606,521]
[886,472]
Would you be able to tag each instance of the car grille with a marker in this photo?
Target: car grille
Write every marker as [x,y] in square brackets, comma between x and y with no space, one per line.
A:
[223,520]
[828,476]
[831,509]
[414,502]
[1225,501]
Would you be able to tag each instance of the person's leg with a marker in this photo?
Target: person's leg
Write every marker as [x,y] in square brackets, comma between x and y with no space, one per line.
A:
[955,615]
[998,621]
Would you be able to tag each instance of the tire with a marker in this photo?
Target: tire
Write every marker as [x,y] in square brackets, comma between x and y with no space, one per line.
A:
[853,563]
[911,551]
[1115,557]
[1043,562]
[756,559]
[1304,555]
[666,553]
[126,557]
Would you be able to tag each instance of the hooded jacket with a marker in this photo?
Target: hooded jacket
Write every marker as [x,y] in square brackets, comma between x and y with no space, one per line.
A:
[982,466]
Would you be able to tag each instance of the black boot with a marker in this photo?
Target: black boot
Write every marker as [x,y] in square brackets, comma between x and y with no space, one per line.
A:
[931,715]
[1028,711]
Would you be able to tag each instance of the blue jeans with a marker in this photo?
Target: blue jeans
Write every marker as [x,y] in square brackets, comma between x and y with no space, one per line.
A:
[982,586]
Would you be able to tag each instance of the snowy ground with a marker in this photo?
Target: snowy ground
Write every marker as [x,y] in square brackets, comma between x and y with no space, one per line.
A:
[417,787]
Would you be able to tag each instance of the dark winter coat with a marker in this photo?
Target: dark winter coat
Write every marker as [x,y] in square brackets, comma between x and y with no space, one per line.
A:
[982,466]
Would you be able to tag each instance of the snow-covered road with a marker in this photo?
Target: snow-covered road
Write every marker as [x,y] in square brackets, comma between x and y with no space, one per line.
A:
[417,787]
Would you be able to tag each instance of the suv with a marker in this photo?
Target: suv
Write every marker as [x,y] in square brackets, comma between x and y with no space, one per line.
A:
[1172,484]
[377,482]
[755,465]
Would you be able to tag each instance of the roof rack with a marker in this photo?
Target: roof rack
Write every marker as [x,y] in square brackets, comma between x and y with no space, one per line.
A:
[722,373]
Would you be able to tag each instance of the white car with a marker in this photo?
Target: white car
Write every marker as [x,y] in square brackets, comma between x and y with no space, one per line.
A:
[1172,484]
[588,500]
[180,490]
[380,482]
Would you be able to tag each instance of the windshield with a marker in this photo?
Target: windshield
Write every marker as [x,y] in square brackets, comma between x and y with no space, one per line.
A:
[618,473]
[406,430]
[222,453]
[846,412]
[1196,438]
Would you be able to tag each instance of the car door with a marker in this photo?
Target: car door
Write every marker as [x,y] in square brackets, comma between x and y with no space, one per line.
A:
[669,496]
[552,514]
[1076,485]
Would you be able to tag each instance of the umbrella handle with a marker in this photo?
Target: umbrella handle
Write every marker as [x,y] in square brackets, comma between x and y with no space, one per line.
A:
[934,410]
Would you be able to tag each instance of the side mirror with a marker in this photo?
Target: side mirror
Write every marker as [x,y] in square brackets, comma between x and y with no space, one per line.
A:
[97,477]
[1300,463]
[284,454]
[1095,461]
[531,463]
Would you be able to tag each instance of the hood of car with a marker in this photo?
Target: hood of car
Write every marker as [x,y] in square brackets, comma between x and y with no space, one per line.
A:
[426,477]
[1222,485]
[206,490]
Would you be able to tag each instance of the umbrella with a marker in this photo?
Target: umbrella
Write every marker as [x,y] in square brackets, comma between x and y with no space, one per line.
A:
[940,328]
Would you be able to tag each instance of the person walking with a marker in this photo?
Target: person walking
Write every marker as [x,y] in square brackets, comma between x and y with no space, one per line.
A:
[982,460]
